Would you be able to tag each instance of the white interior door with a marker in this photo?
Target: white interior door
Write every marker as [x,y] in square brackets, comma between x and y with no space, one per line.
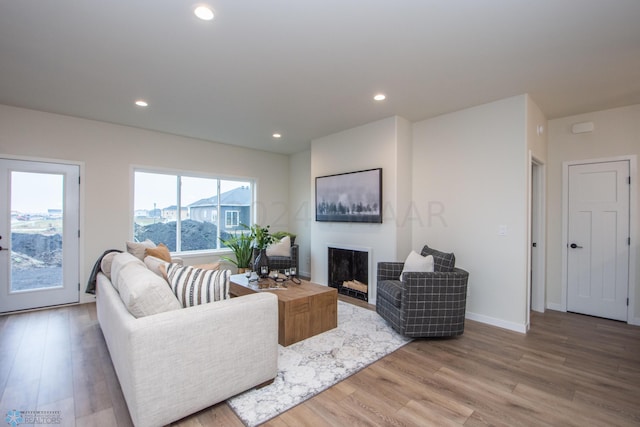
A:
[39,225]
[598,246]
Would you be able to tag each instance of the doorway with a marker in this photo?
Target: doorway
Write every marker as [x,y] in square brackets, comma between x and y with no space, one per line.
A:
[537,240]
[598,238]
[39,234]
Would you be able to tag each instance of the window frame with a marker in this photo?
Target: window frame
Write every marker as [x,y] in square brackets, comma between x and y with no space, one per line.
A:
[235,213]
[178,175]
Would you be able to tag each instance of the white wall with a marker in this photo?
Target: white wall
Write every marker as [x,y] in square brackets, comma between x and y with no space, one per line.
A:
[403,188]
[469,178]
[616,133]
[108,152]
[377,144]
[536,140]
[301,212]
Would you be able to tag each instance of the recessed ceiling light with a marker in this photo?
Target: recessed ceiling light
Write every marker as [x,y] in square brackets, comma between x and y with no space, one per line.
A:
[276,135]
[142,103]
[204,13]
[380,97]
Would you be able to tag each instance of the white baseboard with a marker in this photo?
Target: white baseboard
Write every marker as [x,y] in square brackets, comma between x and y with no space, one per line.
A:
[635,321]
[517,327]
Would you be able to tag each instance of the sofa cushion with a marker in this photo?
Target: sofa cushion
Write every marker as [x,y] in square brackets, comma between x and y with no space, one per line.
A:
[143,292]
[418,263]
[211,266]
[120,261]
[443,262]
[194,286]
[280,248]
[161,251]
[107,262]
[137,249]
[391,291]
[156,265]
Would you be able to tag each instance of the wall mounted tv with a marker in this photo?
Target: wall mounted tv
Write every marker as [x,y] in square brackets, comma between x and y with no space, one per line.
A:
[350,197]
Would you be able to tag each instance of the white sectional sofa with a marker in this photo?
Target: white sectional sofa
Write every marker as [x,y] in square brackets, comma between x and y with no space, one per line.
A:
[181,360]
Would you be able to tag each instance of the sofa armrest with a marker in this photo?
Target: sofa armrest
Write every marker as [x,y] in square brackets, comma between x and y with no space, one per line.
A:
[389,270]
[203,354]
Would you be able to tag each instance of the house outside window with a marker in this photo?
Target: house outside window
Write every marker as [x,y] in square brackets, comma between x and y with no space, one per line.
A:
[184,211]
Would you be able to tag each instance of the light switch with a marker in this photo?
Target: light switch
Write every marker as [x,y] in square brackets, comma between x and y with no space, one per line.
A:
[502,230]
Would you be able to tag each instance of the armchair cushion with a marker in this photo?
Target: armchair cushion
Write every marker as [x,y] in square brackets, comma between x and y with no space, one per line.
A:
[417,263]
[443,261]
[280,248]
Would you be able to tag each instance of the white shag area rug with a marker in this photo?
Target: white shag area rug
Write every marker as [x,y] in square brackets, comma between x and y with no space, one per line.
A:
[308,367]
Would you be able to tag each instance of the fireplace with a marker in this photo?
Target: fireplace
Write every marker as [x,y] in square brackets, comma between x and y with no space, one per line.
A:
[349,271]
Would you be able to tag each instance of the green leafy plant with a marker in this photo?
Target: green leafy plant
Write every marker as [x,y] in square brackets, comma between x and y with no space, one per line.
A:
[278,235]
[241,246]
[260,236]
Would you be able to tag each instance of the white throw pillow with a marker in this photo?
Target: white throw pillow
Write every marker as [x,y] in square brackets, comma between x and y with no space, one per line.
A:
[137,248]
[417,263]
[281,248]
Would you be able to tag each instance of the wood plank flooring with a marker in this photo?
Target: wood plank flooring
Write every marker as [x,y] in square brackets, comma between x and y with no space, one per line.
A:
[569,370]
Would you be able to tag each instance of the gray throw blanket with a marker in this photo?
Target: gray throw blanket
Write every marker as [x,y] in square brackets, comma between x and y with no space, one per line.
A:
[91,284]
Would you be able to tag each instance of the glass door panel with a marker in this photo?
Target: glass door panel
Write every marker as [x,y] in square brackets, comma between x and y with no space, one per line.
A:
[36,230]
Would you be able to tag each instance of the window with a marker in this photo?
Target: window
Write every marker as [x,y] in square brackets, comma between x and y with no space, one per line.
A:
[232,218]
[183,211]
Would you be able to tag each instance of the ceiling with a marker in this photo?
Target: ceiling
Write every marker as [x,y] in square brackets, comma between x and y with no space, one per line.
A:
[310,68]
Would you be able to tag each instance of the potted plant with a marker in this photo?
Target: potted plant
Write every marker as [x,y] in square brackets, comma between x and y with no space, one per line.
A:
[242,248]
[261,238]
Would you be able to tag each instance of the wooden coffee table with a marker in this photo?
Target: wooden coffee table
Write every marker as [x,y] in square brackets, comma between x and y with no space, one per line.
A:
[304,310]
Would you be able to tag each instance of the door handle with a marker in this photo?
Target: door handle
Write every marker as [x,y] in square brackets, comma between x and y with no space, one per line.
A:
[3,249]
[574,246]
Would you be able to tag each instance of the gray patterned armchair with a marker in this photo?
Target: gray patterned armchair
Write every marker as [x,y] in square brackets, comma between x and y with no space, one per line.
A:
[281,262]
[423,304]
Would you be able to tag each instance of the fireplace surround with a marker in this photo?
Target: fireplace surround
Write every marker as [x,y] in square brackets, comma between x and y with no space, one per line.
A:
[348,270]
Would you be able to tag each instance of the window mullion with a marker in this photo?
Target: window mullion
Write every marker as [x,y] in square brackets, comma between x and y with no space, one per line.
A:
[218,215]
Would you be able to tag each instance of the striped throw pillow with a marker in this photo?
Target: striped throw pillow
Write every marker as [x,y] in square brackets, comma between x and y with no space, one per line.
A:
[194,286]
